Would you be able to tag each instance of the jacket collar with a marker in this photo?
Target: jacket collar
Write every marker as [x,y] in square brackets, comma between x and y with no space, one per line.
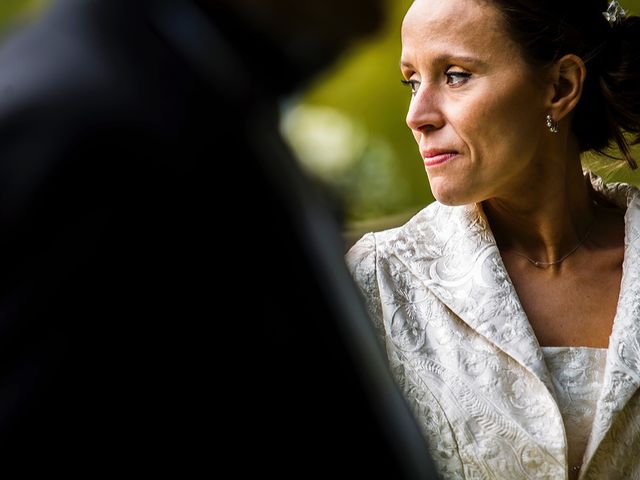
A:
[452,251]
[622,371]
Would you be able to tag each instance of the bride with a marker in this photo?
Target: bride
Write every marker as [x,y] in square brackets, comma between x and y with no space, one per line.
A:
[510,308]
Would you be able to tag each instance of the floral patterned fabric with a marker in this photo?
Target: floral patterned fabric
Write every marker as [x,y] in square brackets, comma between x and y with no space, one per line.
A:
[577,374]
[463,352]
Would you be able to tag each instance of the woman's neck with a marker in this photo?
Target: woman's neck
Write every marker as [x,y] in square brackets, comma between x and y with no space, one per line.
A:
[545,219]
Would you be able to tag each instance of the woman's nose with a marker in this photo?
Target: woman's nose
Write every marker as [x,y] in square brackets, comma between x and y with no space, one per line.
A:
[424,111]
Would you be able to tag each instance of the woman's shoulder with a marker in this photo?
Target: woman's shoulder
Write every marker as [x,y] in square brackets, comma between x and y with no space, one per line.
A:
[620,194]
[424,227]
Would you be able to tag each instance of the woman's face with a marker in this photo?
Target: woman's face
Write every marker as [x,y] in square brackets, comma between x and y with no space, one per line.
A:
[477,109]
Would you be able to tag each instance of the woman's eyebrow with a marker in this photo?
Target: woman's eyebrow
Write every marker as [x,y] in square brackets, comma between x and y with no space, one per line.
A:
[448,58]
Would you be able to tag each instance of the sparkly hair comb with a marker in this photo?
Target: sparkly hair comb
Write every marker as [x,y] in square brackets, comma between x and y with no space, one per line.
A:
[615,13]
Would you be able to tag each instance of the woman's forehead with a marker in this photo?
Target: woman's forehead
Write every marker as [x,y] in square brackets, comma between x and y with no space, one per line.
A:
[462,27]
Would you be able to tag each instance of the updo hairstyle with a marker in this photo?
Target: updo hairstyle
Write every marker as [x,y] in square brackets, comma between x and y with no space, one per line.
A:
[608,113]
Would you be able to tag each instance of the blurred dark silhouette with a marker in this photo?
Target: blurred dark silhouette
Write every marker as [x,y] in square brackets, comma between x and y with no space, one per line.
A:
[160,295]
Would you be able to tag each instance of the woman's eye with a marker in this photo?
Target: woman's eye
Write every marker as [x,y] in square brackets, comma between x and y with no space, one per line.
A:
[412,84]
[455,78]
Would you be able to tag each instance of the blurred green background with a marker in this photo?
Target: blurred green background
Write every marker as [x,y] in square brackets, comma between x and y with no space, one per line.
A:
[348,127]
[14,13]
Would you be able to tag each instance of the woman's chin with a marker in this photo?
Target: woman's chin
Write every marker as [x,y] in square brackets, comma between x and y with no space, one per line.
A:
[452,197]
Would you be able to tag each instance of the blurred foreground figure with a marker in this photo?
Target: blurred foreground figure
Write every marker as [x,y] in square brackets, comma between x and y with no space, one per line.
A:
[149,321]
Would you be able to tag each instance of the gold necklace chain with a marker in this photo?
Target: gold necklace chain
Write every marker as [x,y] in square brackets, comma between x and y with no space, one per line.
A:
[539,264]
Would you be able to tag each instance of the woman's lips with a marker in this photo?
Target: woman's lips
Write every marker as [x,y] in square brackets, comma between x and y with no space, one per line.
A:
[433,158]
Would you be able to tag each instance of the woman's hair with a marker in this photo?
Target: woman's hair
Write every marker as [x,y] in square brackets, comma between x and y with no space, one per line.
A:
[610,104]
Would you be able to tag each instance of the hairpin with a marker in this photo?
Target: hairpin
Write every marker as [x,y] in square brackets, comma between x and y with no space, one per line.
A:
[615,13]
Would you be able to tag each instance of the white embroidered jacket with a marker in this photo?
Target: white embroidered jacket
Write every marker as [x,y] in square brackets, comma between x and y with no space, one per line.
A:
[464,354]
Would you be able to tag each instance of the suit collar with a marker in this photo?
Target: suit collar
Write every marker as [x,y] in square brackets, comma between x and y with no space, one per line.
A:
[231,53]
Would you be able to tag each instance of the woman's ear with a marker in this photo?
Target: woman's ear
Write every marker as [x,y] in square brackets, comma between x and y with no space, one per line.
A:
[568,75]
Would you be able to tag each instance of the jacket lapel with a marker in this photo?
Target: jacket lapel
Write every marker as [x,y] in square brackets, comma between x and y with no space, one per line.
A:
[452,251]
[622,371]
[454,254]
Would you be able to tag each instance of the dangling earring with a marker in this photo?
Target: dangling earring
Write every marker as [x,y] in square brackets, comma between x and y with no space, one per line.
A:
[551,125]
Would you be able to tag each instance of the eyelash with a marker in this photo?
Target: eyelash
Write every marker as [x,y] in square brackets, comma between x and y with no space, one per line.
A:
[412,84]
[461,76]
